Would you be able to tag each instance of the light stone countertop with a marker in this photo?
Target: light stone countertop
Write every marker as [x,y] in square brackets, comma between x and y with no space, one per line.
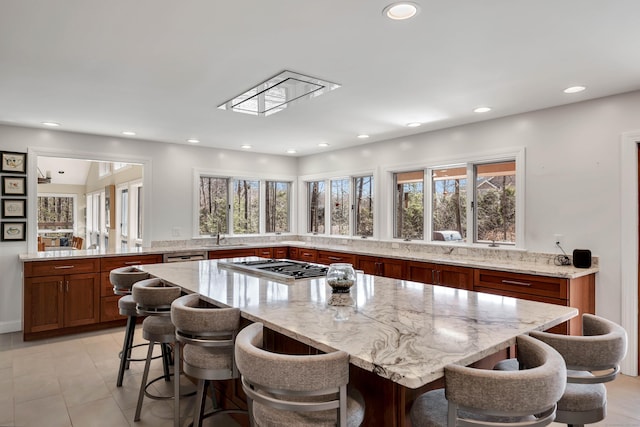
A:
[494,260]
[404,331]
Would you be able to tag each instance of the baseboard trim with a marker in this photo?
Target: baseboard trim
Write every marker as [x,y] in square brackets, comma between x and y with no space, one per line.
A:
[12,326]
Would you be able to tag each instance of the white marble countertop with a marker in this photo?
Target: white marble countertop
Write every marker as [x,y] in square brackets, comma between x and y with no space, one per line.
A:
[404,331]
[526,265]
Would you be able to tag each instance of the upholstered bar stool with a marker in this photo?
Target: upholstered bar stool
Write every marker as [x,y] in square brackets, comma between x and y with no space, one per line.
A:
[153,299]
[291,390]
[592,359]
[122,280]
[483,397]
[207,335]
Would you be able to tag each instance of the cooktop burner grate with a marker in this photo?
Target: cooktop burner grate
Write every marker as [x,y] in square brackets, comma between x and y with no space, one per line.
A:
[279,268]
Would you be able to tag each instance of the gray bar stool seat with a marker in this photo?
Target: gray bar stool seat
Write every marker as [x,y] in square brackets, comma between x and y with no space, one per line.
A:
[482,397]
[122,280]
[292,390]
[592,360]
[153,298]
[207,335]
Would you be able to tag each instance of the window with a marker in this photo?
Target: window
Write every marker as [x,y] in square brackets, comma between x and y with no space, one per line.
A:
[246,206]
[363,197]
[340,206]
[214,205]
[316,207]
[495,200]
[409,205]
[56,212]
[449,204]
[124,217]
[277,202]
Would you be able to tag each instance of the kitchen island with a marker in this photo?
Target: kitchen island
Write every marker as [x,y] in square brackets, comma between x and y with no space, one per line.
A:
[399,334]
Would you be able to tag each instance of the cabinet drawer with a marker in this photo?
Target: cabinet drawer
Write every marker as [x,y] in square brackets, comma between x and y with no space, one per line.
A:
[69,266]
[280,253]
[309,255]
[231,253]
[264,252]
[525,284]
[109,263]
[326,257]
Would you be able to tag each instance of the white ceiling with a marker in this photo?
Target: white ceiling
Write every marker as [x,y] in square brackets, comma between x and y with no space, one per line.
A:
[161,67]
[74,171]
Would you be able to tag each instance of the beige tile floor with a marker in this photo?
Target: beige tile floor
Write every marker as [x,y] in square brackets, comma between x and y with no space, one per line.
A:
[70,381]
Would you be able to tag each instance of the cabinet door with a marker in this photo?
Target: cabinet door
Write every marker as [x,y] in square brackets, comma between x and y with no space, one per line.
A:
[368,264]
[43,303]
[423,272]
[327,257]
[280,252]
[455,277]
[81,299]
[393,268]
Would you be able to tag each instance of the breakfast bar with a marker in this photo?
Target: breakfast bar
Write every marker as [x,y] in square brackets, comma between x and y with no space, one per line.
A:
[399,334]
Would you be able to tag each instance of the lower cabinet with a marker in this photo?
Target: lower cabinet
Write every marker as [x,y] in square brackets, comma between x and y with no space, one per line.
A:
[54,302]
[303,254]
[439,274]
[387,267]
[330,257]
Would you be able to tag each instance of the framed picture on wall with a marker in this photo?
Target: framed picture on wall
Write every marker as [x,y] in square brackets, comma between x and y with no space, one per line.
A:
[14,208]
[15,231]
[14,186]
[13,162]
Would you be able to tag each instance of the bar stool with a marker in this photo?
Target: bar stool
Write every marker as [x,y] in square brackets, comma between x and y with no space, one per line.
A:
[293,390]
[153,298]
[122,280]
[207,335]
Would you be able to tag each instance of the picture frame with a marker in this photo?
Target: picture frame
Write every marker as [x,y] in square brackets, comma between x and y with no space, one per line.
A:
[14,208]
[13,162]
[13,231]
[14,185]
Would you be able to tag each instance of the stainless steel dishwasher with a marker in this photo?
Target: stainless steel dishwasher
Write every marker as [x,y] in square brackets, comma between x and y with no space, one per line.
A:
[184,256]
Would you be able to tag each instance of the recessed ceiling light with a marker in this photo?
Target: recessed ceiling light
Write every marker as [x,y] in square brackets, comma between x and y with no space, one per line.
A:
[245,146]
[128,133]
[52,124]
[400,11]
[482,110]
[363,136]
[193,141]
[574,89]
[413,125]
[291,151]
[323,144]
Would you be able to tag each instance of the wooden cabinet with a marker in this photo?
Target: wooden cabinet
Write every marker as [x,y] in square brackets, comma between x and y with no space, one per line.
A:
[330,257]
[578,293]
[386,267]
[439,274]
[303,254]
[108,300]
[68,298]
[280,252]
[264,252]
[231,253]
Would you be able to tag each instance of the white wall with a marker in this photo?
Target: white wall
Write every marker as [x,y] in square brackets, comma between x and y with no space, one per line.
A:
[572,174]
[168,170]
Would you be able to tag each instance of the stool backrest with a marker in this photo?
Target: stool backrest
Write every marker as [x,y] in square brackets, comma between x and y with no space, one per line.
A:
[290,382]
[530,391]
[601,348]
[154,296]
[123,279]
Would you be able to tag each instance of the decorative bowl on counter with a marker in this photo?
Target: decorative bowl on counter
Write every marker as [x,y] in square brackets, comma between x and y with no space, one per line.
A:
[341,277]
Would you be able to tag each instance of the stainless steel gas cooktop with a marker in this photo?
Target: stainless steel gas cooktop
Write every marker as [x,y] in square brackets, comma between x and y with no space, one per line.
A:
[282,269]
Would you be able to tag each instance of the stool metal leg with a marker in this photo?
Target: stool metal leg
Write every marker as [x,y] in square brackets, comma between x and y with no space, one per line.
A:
[125,355]
[166,361]
[200,397]
[177,367]
[143,384]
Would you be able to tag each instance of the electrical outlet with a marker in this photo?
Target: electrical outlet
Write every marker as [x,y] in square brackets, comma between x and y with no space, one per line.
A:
[557,240]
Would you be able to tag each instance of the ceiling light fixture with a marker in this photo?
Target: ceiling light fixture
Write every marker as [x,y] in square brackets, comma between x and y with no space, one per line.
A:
[574,89]
[401,11]
[193,141]
[414,125]
[51,124]
[245,146]
[482,110]
[128,133]
[291,151]
[363,136]
[323,144]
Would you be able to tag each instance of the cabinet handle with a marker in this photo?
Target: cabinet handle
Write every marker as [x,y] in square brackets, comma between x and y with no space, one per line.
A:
[132,263]
[513,282]
[433,277]
[334,258]
[67,286]
[60,285]
[63,267]
[438,276]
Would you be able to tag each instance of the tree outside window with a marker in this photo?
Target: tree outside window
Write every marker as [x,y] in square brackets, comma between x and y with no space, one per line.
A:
[315,196]
[340,206]
[213,205]
[246,206]
[409,205]
[363,187]
[496,202]
[277,205]
[449,203]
